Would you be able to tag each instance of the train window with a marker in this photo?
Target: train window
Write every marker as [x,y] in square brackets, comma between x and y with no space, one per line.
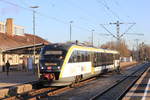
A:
[94,59]
[78,56]
[103,58]
[83,56]
[88,56]
[99,59]
[110,59]
[73,57]
[106,58]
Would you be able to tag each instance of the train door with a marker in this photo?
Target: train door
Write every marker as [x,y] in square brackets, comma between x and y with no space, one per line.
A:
[92,62]
[114,61]
[104,62]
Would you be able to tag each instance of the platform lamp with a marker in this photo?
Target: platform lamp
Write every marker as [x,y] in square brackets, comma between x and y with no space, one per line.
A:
[70,29]
[34,12]
[92,40]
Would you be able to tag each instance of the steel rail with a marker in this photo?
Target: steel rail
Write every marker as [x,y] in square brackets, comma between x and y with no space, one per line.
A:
[97,96]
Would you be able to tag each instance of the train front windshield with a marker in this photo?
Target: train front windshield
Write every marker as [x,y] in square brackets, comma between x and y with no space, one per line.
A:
[52,58]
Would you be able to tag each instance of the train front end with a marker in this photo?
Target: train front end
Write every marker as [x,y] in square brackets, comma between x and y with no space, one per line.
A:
[51,60]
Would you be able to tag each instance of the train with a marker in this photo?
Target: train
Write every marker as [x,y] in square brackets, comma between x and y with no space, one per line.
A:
[64,64]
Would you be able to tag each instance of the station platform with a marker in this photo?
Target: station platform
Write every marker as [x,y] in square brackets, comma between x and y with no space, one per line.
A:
[141,89]
[16,77]
[16,82]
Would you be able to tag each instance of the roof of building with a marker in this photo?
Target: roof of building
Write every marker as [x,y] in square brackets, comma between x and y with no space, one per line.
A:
[8,41]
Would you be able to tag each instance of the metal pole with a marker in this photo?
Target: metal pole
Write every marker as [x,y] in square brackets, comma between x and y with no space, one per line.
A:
[118,30]
[71,29]
[34,12]
[34,34]
[92,38]
[137,49]
[118,35]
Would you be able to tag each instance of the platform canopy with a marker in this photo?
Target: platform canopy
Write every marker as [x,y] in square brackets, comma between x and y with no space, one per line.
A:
[28,49]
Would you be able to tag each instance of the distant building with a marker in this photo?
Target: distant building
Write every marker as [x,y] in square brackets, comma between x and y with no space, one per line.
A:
[10,28]
[13,36]
[126,59]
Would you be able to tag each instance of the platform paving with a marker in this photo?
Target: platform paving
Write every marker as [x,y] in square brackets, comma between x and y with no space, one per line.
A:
[15,78]
[141,89]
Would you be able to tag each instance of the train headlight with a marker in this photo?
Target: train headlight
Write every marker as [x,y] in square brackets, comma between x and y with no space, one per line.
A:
[41,66]
[58,67]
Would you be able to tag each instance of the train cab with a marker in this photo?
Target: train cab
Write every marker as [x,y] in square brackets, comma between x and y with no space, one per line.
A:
[51,60]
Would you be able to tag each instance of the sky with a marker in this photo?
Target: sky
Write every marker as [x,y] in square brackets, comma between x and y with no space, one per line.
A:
[53,18]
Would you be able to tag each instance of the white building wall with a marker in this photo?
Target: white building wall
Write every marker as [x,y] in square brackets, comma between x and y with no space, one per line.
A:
[2,27]
[18,30]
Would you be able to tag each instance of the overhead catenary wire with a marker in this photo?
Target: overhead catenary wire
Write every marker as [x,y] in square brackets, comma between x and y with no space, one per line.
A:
[44,15]
[84,10]
[116,2]
[108,30]
[105,5]
[127,30]
[125,12]
[121,8]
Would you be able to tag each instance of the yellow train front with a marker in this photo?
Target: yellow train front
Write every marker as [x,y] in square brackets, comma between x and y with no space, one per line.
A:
[62,64]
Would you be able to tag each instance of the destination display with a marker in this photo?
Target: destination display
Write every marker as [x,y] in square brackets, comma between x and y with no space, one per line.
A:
[53,52]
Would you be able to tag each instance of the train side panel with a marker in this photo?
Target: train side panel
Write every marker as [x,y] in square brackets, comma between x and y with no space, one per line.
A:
[73,69]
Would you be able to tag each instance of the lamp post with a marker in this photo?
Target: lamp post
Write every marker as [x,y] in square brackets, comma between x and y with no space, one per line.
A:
[70,29]
[92,38]
[34,7]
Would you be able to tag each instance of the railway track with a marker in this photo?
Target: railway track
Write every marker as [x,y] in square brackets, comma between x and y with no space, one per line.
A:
[52,91]
[117,91]
[45,92]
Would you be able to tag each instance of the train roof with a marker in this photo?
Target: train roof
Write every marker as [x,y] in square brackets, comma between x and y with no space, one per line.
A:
[60,45]
[66,47]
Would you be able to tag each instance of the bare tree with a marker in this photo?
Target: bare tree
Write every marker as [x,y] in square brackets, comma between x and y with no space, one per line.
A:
[121,47]
[144,52]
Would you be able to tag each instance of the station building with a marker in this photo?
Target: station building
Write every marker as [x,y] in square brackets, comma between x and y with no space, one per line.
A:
[16,45]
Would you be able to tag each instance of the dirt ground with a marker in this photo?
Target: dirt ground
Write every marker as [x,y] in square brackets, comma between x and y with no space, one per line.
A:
[127,64]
